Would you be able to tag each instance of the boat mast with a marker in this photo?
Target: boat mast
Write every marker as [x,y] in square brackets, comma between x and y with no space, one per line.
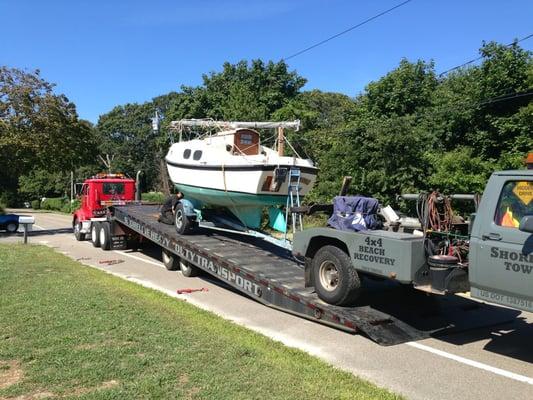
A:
[281,141]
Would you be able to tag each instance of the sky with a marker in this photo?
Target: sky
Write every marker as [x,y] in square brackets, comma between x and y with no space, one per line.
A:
[106,53]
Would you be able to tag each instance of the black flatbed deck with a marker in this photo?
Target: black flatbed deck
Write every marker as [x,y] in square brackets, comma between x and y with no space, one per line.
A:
[387,314]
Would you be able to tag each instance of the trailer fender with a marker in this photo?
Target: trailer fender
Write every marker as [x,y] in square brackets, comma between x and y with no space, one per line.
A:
[188,207]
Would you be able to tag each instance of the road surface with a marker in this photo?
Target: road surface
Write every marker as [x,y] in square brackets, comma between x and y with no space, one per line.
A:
[484,364]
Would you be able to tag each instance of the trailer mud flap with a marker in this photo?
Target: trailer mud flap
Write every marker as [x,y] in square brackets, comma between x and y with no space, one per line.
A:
[119,242]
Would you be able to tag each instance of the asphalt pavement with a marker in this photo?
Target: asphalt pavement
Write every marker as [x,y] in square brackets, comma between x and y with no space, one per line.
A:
[486,363]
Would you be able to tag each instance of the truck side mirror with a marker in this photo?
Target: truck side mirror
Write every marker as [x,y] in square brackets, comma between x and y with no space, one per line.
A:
[526,224]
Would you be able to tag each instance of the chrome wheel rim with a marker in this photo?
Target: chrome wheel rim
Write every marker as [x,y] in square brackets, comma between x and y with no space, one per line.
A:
[329,276]
[179,219]
[102,236]
[183,266]
[93,234]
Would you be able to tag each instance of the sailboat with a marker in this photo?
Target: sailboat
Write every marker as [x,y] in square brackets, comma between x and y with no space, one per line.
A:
[232,169]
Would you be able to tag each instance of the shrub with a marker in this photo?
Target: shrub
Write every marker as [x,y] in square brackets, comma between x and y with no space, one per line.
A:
[76,203]
[154,197]
[2,209]
[36,204]
[9,199]
[70,207]
[53,203]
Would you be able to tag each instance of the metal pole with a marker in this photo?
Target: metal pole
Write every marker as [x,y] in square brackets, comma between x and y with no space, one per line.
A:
[71,186]
[25,233]
[138,186]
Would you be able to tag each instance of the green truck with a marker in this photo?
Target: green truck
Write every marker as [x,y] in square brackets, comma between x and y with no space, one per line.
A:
[490,256]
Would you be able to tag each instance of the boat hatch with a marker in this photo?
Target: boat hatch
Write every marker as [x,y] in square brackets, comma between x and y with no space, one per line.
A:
[246,141]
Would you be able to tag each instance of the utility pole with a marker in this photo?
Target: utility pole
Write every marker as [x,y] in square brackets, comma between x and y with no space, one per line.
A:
[71,186]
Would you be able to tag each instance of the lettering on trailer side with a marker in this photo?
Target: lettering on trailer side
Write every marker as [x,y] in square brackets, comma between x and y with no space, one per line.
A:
[196,259]
[222,272]
[504,299]
[513,261]
[373,251]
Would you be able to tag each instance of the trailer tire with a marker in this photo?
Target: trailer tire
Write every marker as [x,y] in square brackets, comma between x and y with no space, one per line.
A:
[181,221]
[95,234]
[170,260]
[336,280]
[105,236]
[76,226]
[189,270]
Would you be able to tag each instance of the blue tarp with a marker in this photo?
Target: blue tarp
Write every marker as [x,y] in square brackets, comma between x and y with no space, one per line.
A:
[355,213]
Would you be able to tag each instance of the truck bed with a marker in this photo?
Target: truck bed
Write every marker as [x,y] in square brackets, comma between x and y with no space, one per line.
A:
[388,313]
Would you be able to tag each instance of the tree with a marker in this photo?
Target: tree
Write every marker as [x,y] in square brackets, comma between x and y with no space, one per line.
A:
[403,90]
[243,91]
[319,113]
[38,128]
[126,134]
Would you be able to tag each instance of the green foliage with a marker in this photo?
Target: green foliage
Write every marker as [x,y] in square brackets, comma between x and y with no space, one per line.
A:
[38,128]
[402,91]
[41,183]
[245,91]
[54,203]
[408,131]
[459,171]
[36,204]
[241,91]
[153,197]
[126,135]
[2,208]
[412,132]
[9,198]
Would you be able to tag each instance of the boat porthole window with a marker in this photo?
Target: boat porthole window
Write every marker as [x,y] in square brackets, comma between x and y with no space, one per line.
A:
[187,153]
[197,155]
[246,138]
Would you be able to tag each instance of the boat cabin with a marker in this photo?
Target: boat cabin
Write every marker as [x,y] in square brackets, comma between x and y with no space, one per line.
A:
[246,141]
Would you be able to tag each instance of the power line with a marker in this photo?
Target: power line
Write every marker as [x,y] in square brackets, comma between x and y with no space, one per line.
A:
[441,108]
[345,31]
[480,57]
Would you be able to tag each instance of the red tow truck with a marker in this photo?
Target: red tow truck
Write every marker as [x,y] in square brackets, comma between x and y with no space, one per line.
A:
[97,194]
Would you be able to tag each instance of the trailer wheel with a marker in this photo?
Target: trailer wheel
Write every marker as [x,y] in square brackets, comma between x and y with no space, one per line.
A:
[182,222]
[77,231]
[170,261]
[105,236]
[95,234]
[189,270]
[336,280]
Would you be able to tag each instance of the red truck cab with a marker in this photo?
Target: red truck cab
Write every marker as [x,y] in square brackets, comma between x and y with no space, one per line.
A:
[97,193]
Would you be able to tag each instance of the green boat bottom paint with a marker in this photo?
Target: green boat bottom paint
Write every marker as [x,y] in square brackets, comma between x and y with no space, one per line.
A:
[247,207]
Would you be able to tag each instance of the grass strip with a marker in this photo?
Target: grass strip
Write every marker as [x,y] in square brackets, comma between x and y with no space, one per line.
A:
[75,332]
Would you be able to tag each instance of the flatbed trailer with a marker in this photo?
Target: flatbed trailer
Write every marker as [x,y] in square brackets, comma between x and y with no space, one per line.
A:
[272,277]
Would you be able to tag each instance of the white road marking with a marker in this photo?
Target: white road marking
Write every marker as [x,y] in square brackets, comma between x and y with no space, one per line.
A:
[158,264]
[39,227]
[472,363]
